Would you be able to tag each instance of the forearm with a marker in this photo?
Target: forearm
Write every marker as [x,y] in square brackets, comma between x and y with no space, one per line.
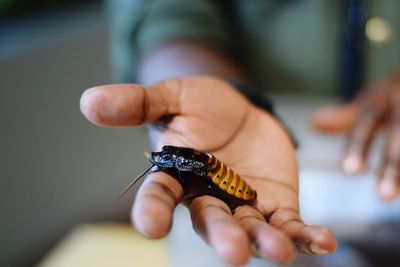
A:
[182,59]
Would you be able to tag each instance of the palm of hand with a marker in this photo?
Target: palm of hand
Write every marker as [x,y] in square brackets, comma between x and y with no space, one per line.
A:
[242,136]
[209,115]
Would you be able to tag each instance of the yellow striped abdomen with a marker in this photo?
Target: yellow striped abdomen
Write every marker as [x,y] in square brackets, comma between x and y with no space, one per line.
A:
[229,181]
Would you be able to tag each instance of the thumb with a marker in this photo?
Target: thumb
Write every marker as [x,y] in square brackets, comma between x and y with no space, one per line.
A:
[124,105]
[334,119]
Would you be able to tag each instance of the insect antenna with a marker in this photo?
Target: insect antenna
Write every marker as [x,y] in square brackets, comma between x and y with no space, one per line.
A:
[129,186]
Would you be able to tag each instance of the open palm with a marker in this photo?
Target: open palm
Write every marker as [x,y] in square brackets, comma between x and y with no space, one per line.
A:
[209,115]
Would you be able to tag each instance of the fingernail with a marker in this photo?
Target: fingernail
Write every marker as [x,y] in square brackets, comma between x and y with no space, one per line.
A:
[315,248]
[352,164]
[388,186]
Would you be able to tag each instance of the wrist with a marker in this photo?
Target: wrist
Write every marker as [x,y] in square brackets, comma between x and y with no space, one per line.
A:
[263,102]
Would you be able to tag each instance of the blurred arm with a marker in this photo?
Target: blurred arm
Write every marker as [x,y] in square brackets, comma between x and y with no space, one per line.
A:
[180,59]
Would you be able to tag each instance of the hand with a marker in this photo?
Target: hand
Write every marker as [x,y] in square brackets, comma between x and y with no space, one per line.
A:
[378,108]
[209,115]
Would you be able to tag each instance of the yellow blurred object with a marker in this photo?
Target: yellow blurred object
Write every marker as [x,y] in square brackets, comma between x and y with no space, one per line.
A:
[114,245]
[378,30]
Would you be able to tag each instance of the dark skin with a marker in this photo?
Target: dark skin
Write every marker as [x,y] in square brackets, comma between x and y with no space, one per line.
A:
[377,109]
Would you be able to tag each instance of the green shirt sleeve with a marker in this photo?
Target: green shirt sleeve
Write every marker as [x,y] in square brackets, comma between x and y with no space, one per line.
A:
[140,26]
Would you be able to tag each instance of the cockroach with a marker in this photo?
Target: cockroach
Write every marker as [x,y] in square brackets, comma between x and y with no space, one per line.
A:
[200,173]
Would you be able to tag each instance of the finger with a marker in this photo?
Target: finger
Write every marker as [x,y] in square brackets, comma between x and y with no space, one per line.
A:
[389,184]
[307,239]
[155,203]
[212,219]
[334,120]
[367,122]
[270,243]
[123,105]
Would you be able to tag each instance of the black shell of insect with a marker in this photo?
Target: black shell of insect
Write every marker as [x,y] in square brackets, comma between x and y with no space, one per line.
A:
[201,173]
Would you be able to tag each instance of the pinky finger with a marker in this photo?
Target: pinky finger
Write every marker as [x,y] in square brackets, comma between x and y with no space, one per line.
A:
[309,239]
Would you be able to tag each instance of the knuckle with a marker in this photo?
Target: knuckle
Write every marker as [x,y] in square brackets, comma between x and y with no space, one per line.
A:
[244,213]
[283,217]
[205,204]
[370,113]
[157,186]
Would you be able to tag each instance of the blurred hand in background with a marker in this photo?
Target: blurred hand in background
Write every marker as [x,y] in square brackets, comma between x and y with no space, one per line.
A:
[378,108]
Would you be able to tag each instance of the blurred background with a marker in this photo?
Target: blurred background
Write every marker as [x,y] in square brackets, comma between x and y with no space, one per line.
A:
[58,171]
[56,168]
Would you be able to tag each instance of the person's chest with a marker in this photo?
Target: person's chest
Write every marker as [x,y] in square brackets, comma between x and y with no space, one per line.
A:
[296,45]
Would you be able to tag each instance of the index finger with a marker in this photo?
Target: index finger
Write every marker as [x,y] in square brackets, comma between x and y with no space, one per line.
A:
[155,203]
[124,105]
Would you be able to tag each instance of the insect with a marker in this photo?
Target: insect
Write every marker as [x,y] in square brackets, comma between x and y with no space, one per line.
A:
[200,173]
